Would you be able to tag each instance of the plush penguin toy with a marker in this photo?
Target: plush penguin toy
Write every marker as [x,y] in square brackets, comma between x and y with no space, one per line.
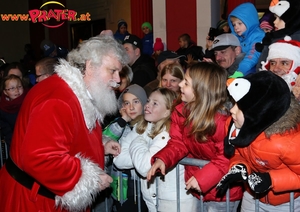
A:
[263,97]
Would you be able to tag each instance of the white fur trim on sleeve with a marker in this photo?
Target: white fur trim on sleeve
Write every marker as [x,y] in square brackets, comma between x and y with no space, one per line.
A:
[85,191]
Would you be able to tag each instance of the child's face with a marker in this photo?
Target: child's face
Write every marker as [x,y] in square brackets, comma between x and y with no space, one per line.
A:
[182,43]
[123,29]
[145,30]
[133,106]
[13,89]
[226,28]
[280,66]
[238,26]
[170,82]
[278,23]
[157,52]
[187,91]
[155,109]
[237,116]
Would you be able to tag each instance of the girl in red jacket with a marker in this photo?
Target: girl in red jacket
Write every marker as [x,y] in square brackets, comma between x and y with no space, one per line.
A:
[198,131]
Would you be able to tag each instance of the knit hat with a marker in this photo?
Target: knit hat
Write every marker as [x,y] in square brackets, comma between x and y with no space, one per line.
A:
[147,24]
[221,24]
[263,97]
[266,25]
[287,10]
[136,90]
[225,40]
[134,40]
[48,47]
[158,45]
[289,49]
[121,22]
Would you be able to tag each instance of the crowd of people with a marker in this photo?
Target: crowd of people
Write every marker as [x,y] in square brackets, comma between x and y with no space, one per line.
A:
[120,111]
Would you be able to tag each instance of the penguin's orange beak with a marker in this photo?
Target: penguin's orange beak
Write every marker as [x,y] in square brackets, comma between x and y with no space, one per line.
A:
[229,81]
[273,3]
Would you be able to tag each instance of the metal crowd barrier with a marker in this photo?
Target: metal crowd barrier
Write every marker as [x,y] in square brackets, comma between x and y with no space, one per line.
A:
[201,163]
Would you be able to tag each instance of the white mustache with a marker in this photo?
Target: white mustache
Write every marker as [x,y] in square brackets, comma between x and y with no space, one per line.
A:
[113,84]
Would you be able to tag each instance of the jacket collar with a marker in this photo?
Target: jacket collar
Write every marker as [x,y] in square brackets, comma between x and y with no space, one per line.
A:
[73,77]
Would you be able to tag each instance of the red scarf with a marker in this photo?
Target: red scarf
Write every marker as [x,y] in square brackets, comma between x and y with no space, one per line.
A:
[12,106]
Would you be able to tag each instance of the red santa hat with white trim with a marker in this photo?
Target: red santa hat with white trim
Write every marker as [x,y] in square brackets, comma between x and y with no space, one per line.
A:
[288,49]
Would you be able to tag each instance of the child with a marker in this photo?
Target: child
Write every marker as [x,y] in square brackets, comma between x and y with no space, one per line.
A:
[158,47]
[266,119]
[198,131]
[147,40]
[121,32]
[244,23]
[12,96]
[131,104]
[286,22]
[170,77]
[149,136]
[189,49]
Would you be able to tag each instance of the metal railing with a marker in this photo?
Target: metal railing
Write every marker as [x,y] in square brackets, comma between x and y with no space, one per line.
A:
[201,163]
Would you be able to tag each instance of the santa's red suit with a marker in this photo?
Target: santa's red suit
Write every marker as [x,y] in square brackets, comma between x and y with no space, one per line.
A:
[58,142]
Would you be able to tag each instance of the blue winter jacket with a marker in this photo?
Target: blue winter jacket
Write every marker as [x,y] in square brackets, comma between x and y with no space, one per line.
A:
[247,13]
[148,44]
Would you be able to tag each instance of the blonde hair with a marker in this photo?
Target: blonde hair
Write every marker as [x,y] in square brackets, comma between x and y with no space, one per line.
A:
[209,86]
[174,69]
[163,124]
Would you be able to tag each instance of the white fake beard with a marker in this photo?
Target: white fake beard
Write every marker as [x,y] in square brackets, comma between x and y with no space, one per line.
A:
[103,98]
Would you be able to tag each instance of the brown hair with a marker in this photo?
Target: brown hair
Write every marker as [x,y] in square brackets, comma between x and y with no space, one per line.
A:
[10,77]
[209,85]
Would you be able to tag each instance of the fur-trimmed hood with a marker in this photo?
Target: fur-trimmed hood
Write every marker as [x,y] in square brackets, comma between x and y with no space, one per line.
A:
[288,122]
[73,77]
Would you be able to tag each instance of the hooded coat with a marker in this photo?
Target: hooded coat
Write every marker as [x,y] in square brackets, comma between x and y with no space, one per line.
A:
[247,13]
[182,145]
[276,151]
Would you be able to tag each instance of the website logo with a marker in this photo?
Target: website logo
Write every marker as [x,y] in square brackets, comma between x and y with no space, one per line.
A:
[51,18]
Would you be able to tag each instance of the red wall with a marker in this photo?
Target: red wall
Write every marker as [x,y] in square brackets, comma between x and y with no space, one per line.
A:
[180,19]
[234,3]
[141,11]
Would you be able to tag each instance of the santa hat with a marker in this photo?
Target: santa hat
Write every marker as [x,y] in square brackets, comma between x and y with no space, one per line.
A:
[289,49]
[263,97]
[158,45]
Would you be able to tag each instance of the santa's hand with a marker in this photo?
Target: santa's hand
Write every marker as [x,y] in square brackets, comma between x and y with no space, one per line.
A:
[236,173]
[105,181]
[112,147]
[259,182]
[158,164]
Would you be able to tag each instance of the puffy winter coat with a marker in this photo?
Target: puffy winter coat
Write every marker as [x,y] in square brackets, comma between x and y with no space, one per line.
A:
[278,154]
[182,145]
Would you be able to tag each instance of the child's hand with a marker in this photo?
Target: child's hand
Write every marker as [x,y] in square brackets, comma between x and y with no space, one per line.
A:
[124,115]
[209,43]
[192,184]
[189,59]
[159,164]
[296,88]
[112,147]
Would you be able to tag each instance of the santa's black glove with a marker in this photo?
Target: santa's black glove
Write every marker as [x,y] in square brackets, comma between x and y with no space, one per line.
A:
[259,182]
[236,173]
